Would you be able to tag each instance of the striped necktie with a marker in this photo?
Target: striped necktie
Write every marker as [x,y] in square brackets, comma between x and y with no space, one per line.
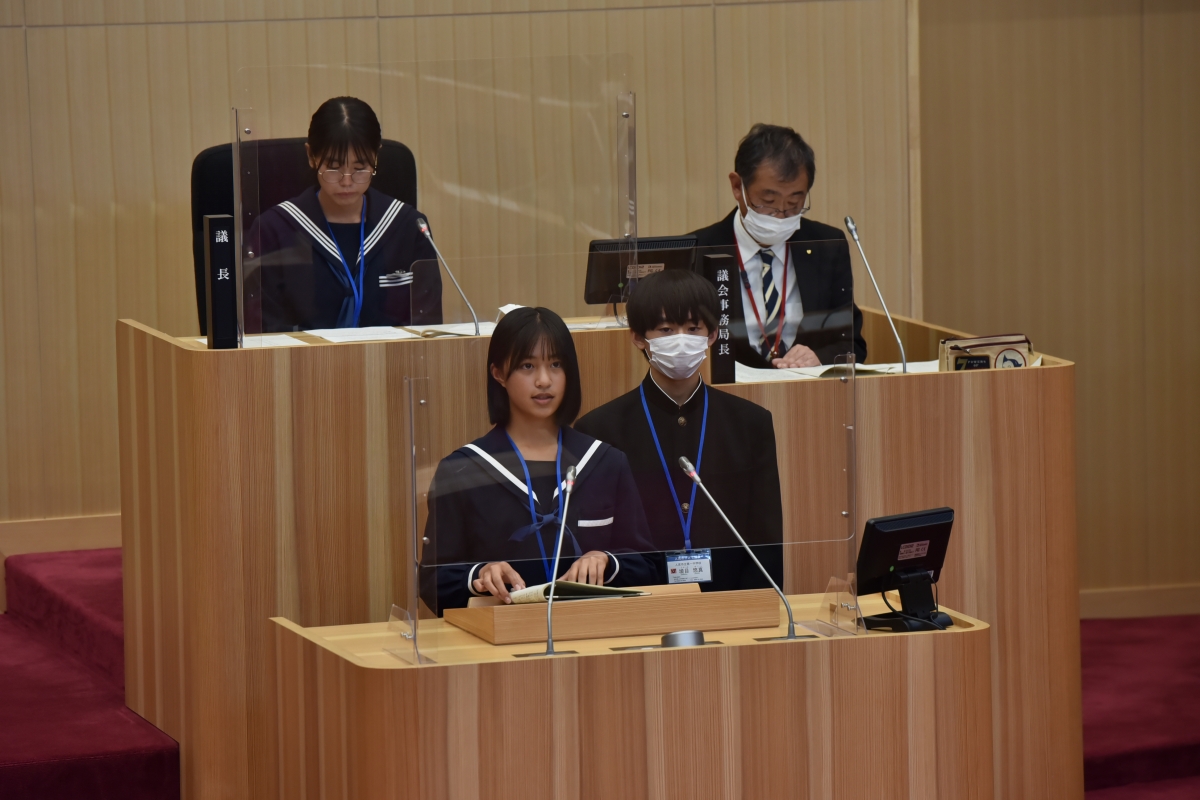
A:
[770,298]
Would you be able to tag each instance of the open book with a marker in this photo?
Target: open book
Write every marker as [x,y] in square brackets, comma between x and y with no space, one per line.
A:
[569,590]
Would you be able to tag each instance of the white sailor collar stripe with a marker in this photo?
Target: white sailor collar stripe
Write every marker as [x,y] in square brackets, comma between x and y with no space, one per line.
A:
[520,484]
[311,228]
[322,238]
[389,216]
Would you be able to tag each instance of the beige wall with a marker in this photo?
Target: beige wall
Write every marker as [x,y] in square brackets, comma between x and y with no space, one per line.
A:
[1061,193]
[106,103]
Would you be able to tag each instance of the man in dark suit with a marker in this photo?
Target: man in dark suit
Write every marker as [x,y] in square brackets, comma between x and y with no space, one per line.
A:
[797,291]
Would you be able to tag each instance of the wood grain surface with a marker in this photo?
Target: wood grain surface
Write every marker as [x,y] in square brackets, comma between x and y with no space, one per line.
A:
[1098,105]
[232,514]
[731,720]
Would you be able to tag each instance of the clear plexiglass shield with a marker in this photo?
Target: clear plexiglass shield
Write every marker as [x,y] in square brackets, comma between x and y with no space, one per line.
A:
[470,167]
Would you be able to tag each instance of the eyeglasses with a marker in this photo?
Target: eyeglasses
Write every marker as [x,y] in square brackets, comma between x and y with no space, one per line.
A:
[336,175]
[779,213]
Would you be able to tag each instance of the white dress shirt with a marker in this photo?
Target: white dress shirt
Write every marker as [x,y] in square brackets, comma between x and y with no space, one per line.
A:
[793,309]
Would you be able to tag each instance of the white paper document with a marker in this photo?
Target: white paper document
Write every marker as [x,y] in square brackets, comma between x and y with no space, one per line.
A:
[744,374]
[451,329]
[263,340]
[377,333]
[599,325]
[570,590]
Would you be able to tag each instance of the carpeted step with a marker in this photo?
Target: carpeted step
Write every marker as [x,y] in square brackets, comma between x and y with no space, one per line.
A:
[65,731]
[72,600]
[1141,700]
[1177,789]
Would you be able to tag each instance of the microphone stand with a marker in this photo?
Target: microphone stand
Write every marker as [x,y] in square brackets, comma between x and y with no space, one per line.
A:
[695,476]
[850,226]
[562,524]
[424,226]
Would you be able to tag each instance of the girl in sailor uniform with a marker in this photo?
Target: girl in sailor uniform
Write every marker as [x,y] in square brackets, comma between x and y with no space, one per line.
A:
[339,255]
[495,504]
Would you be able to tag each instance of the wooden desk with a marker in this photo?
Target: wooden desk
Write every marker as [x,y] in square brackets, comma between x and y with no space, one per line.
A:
[272,483]
[874,716]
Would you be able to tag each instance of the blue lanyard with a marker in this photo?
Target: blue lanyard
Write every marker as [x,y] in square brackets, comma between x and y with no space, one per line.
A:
[685,522]
[357,288]
[533,515]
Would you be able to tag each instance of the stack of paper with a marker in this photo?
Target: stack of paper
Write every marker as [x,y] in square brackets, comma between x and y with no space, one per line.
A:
[378,333]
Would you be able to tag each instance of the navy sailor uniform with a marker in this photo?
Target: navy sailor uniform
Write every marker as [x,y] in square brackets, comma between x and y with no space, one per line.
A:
[479,513]
[295,279]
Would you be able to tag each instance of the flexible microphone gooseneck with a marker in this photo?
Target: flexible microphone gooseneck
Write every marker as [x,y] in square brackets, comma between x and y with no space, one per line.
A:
[424,226]
[562,524]
[850,226]
[695,476]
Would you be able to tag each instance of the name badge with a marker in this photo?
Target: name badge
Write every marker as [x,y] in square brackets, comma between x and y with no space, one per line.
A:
[689,566]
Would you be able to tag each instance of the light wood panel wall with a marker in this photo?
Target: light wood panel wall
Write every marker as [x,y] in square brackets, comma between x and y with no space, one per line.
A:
[1060,183]
[106,103]
[779,720]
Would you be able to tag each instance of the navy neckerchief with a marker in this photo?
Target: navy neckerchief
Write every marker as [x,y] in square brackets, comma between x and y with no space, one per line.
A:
[539,521]
[355,287]
[684,522]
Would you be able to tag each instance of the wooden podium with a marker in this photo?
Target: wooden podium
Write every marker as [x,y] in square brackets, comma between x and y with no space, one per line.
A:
[262,483]
[872,716]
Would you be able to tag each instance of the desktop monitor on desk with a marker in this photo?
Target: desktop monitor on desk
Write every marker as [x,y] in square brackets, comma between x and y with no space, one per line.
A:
[605,283]
[905,552]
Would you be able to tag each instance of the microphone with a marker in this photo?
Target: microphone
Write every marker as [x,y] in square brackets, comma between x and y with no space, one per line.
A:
[850,226]
[690,471]
[424,226]
[562,524]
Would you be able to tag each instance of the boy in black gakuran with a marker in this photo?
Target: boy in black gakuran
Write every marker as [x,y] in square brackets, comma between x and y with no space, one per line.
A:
[673,413]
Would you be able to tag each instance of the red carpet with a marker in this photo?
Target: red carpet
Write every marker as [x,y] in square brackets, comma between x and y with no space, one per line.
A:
[73,600]
[1141,706]
[1178,789]
[64,729]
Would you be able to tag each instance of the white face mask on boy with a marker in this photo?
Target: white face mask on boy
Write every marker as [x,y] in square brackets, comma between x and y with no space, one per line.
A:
[678,356]
[769,230]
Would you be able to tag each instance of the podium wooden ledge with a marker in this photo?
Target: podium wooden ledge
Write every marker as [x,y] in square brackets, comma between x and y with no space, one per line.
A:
[876,715]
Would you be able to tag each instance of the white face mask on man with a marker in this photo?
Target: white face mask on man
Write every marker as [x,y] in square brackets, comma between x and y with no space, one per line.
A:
[678,356]
[768,230]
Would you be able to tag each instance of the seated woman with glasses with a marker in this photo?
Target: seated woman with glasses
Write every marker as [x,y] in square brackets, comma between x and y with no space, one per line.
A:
[796,305]
[340,254]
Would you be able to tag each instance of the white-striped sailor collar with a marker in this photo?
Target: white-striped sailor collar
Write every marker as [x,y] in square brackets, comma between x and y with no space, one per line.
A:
[477,451]
[306,211]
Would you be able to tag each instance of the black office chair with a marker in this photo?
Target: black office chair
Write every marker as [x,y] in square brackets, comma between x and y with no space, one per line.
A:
[283,173]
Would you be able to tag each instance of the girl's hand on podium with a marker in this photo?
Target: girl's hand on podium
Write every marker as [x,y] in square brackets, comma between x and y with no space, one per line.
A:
[493,577]
[589,568]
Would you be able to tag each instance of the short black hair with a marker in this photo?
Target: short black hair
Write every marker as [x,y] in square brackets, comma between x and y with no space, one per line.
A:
[343,124]
[515,339]
[781,147]
[673,295]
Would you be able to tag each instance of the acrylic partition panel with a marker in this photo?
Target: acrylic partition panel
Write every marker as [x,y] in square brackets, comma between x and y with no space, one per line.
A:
[494,157]
[777,461]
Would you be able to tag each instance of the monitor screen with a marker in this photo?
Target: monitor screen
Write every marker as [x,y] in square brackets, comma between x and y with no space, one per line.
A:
[604,282]
[902,542]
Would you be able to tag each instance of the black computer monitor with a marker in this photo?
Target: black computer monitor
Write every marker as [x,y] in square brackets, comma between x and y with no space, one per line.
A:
[905,552]
[604,281]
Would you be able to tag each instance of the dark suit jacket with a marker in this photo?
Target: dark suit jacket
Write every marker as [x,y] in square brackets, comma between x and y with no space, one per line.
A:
[821,256]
